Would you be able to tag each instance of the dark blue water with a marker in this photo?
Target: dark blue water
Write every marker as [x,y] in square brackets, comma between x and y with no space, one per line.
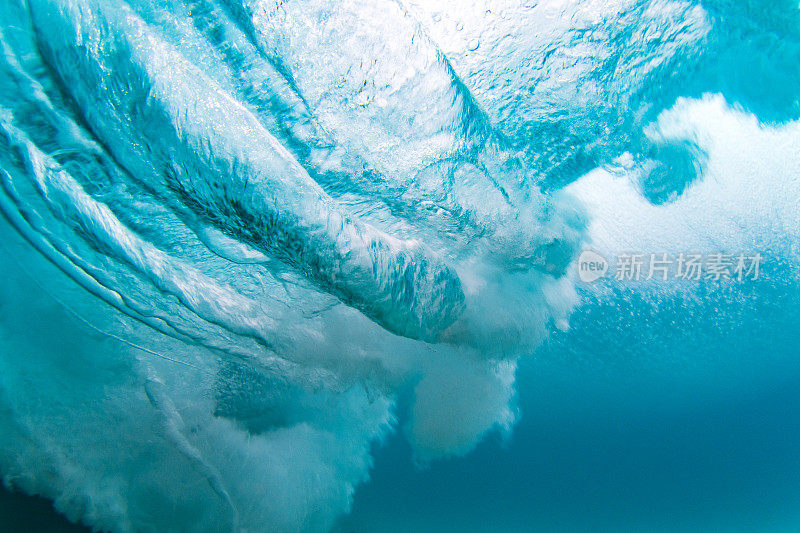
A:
[679,416]
[24,514]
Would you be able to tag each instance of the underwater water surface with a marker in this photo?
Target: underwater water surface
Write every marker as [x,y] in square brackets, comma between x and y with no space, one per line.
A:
[405,265]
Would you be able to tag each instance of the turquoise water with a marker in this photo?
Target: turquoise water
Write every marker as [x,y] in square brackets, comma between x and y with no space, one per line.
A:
[399,265]
[700,435]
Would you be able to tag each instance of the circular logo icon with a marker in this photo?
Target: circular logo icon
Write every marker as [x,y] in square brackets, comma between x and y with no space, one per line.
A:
[591,266]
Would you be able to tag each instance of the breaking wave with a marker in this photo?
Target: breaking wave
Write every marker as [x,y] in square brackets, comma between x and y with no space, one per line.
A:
[237,231]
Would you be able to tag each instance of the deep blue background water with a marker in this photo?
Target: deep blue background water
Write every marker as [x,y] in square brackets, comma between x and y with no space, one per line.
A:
[675,414]
[24,514]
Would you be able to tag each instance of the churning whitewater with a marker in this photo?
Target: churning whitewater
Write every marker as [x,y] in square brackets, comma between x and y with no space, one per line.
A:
[249,226]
